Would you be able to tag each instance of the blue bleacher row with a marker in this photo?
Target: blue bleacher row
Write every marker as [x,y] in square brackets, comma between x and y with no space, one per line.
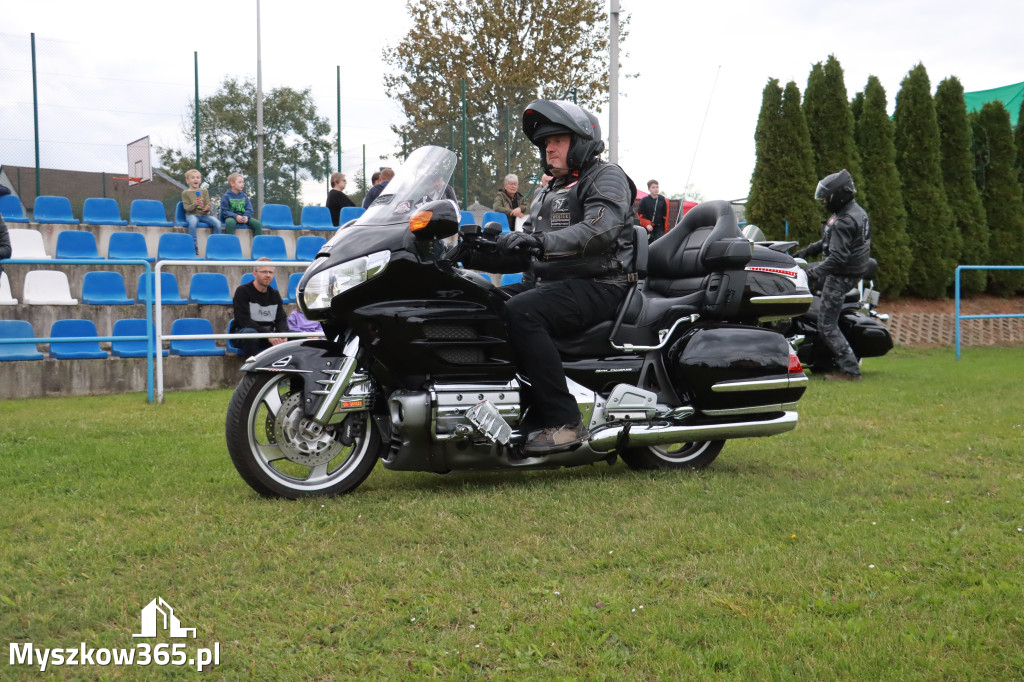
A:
[150,212]
[129,327]
[103,287]
[28,245]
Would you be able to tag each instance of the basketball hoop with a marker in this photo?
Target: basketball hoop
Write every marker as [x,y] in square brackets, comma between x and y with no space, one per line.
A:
[126,178]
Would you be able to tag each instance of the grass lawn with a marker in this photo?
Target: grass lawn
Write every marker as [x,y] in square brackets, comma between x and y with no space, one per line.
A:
[883,539]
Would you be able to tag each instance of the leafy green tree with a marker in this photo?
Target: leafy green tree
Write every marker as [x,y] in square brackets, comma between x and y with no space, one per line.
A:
[1018,140]
[1004,205]
[958,177]
[883,194]
[830,121]
[783,182]
[296,144]
[509,52]
[933,241]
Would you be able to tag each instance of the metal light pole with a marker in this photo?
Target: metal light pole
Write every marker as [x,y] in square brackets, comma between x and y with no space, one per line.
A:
[613,83]
[259,116]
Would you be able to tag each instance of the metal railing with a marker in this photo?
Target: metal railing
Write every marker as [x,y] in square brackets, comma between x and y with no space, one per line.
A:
[160,337]
[958,317]
[149,338]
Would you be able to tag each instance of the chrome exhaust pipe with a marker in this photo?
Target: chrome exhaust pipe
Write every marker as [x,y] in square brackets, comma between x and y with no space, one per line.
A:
[643,434]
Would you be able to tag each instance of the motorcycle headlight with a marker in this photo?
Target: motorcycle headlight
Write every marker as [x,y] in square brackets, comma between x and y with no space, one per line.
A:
[325,285]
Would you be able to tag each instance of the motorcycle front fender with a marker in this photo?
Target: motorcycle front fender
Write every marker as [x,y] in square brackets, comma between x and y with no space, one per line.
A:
[325,369]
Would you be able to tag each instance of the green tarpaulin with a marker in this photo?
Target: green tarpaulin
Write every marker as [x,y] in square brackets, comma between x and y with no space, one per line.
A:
[1010,95]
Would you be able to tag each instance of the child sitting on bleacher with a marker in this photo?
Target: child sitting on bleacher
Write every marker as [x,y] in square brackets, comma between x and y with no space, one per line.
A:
[196,203]
[236,209]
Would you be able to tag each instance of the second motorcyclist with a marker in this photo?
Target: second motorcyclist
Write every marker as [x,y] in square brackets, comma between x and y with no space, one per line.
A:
[846,245]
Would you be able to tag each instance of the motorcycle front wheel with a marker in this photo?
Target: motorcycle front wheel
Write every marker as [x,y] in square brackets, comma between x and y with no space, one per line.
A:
[280,452]
[690,456]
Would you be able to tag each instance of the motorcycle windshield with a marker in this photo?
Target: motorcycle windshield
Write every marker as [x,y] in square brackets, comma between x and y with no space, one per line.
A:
[424,177]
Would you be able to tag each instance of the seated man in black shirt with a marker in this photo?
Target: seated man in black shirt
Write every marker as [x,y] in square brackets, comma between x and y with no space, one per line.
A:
[259,310]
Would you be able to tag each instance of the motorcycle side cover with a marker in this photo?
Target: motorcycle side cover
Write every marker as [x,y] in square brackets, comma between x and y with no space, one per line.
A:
[868,337]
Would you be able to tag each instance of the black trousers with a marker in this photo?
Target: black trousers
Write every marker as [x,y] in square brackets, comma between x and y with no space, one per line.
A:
[534,316]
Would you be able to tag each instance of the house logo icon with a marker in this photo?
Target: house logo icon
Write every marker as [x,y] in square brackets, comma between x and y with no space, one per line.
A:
[158,611]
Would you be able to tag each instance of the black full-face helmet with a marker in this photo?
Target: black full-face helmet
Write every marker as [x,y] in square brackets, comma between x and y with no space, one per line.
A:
[545,117]
[835,190]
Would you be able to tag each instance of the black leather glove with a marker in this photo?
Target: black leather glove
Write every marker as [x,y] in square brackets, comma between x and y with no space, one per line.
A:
[520,242]
[802,253]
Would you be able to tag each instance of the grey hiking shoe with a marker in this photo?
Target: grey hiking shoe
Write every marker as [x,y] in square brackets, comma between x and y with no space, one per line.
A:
[555,439]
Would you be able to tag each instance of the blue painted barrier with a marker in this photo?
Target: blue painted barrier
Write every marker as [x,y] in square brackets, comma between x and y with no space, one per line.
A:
[958,316]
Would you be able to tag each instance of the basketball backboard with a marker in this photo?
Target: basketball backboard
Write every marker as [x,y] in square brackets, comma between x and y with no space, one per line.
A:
[140,164]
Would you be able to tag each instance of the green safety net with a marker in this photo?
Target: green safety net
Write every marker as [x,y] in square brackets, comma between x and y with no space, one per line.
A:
[1010,95]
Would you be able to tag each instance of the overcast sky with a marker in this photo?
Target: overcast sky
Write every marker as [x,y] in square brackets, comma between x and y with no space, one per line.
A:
[112,72]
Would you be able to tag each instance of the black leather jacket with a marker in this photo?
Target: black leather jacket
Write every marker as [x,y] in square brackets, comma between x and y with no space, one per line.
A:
[845,242]
[587,225]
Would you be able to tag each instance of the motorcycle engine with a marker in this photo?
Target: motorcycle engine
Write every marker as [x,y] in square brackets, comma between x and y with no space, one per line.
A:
[451,401]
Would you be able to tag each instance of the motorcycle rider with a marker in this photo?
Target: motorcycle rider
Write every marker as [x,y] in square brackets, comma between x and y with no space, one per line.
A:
[581,241]
[846,245]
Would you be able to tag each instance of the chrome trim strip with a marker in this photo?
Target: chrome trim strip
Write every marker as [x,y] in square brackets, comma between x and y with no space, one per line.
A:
[606,439]
[771,384]
[756,409]
[788,298]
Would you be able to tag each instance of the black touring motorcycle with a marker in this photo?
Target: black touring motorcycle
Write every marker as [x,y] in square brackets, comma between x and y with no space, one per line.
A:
[416,370]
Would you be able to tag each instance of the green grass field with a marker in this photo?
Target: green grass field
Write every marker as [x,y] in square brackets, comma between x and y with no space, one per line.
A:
[883,539]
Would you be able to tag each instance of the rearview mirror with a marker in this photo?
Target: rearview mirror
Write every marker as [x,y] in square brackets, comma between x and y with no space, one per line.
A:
[435,220]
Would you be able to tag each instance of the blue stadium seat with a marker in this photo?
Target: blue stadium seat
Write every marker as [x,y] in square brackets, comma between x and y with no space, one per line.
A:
[467,218]
[75,350]
[293,283]
[50,209]
[179,215]
[18,329]
[125,245]
[100,287]
[97,211]
[307,246]
[224,247]
[194,325]
[76,244]
[176,246]
[148,212]
[497,216]
[130,349]
[350,213]
[316,218]
[269,246]
[168,289]
[248,277]
[277,217]
[511,278]
[10,209]
[209,288]
[232,347]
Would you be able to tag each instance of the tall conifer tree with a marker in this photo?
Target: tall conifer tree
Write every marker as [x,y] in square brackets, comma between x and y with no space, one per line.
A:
[929,220]
[782,185]
[1018,140]
[883,196]
[830,121]
[1004,206]
[957,160]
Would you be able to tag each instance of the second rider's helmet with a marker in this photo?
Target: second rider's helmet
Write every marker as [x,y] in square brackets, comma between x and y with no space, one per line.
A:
[836,190]
[544,117]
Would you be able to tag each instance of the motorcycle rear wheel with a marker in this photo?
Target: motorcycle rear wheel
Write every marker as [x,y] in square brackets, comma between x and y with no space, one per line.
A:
[281,453]
[686,456]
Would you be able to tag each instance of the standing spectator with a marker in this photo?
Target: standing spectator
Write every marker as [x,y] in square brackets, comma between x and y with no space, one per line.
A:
[385,177]
[4,191]
[653,212]
[509,201]
[259,310]
[336,198]
[236,209]
[375,178]
[196,203]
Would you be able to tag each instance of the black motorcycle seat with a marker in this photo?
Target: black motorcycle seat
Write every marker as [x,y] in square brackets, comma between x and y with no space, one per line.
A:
[648,313]
[676,265]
